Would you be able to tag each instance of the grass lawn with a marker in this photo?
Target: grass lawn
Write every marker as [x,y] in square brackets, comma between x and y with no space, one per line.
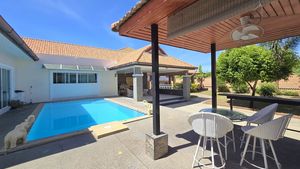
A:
[222,101]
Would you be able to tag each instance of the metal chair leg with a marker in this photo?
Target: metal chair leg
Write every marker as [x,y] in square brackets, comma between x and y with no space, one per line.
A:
[263,149]
[220,152]
[197,150]
[233,140]
[225,147]
[242,141]
[253,148]
[212,152]
[245,149]
[204,145]
[274,154]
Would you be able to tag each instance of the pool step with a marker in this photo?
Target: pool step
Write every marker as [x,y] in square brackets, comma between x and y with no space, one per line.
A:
[107,129]
[168,99]
[173,101]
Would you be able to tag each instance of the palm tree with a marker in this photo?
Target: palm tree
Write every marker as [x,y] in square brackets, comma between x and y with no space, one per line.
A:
[282,48]
[279,47]
[200,77]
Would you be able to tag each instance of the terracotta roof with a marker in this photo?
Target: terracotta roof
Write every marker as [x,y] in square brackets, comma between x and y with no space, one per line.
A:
[65,49]
[115,26]
[126,49]
[123,57]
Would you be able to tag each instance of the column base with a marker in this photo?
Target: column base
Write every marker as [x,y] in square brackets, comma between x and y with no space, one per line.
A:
[156,145]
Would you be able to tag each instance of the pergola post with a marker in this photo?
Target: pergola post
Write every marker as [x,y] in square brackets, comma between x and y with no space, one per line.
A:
[213,76]
[155,79]
[156,143]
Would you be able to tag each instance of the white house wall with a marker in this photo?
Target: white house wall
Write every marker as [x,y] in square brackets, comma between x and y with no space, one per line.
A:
[106,86]
[28,76]
[35,81]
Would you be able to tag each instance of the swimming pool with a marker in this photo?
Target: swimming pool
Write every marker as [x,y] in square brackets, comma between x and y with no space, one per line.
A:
[65,117]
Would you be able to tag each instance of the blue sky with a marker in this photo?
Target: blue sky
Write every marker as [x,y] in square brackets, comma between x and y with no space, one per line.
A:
[82,22]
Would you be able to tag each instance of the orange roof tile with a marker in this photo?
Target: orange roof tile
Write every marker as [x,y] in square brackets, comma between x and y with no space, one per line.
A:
[123,57]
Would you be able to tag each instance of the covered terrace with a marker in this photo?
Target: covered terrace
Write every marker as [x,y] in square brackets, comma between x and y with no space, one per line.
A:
[206,26]
[134,74]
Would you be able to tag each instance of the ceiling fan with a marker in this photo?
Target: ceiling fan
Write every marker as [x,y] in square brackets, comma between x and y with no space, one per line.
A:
[247,30]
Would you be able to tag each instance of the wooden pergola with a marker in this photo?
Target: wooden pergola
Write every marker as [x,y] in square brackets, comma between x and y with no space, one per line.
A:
[205,26]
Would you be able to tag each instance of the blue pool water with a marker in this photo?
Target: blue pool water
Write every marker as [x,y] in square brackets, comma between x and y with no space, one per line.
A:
[65,117]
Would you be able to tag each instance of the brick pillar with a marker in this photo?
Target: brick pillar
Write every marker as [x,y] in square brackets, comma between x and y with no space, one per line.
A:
[186,86]
[137,87]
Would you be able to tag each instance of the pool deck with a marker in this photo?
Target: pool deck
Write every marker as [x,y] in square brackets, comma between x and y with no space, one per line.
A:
[126,149]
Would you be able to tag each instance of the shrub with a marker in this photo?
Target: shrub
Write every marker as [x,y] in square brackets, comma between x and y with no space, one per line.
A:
[240,88]
[222,87]
[287,93]
[194,87]
[178,86]
[267,89]
[14,104]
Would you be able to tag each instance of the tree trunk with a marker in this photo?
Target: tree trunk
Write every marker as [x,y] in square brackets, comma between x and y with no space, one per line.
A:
[253,88]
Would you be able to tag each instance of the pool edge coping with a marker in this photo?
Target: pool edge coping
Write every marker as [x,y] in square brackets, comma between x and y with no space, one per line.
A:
[39,142]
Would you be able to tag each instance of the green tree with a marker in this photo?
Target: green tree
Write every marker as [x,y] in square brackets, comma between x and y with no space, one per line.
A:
[250,64]
[200,76]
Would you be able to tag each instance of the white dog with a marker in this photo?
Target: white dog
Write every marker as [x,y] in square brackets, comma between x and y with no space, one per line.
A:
[11,139]
[148,107]
[20,132]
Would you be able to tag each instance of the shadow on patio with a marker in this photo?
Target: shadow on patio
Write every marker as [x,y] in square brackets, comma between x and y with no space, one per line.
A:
[48,149]
[287,150]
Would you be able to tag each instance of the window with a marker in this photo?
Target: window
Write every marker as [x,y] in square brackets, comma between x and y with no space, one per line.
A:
[92,78]
[69,78]
[82,78]
[59,78]
[73,78]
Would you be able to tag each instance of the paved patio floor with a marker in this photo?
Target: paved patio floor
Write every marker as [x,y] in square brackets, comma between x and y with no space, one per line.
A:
[126,150]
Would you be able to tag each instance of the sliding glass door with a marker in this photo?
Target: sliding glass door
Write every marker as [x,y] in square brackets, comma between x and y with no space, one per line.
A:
[4,87]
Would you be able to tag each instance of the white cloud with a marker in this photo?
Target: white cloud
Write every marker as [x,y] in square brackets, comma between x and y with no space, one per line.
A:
[54,6]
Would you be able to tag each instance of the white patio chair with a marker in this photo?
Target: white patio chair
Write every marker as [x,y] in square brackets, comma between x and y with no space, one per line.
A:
[262,116]
[230,138]
[269,131]
[209,126]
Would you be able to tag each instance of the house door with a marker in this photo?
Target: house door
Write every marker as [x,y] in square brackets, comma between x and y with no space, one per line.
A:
[4,87]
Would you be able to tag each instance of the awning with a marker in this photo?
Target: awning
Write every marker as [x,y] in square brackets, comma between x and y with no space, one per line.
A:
[73,67]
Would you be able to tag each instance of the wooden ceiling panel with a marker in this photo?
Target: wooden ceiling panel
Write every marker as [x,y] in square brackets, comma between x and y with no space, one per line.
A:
[295,4]
[280,19]
[287,7]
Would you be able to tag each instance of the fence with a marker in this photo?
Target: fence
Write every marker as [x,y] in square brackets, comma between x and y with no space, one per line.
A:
[166,86]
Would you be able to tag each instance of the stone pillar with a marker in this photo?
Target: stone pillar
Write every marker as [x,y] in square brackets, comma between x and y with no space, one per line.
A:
[186,86]
[157,145]
[137,87]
